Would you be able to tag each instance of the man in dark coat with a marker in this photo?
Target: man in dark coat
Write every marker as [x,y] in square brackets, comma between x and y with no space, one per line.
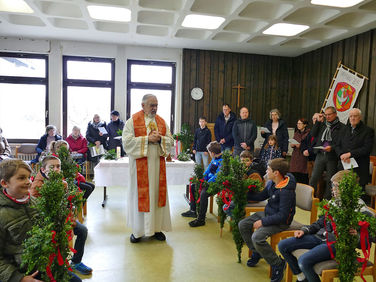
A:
[223,128]
[328,134]
[244,133]
[356,142]
[114,135]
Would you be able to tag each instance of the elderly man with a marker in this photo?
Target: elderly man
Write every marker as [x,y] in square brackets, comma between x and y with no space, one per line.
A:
[244,132]
[356,142]
[147,141]
[223,128]
[328,134]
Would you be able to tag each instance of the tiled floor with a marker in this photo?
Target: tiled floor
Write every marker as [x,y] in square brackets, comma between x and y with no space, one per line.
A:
[189,254]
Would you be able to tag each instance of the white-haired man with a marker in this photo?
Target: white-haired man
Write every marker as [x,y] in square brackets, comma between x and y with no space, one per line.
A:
[356,142]
[147,141]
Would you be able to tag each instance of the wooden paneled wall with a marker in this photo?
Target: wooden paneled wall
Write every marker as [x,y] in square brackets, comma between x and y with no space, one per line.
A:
[296,86]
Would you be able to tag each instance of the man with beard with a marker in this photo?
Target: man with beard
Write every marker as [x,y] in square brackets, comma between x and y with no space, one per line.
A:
[147,141]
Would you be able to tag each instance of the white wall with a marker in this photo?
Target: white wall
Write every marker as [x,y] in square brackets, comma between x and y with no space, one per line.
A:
[56,49]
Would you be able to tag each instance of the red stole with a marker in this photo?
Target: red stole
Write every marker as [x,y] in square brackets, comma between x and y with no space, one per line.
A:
[142,165]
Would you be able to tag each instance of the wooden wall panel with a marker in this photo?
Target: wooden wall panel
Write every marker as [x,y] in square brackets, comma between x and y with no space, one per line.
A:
[296,86]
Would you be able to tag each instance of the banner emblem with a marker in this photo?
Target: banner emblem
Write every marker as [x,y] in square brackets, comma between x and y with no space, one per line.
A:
[343,96]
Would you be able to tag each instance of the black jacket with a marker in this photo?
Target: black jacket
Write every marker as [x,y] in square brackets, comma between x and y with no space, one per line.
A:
[224,130]
[92,134]
[280,208]
[202,139]
[281,133]
[359,144]
[112,129]
[244,130]
[337,133]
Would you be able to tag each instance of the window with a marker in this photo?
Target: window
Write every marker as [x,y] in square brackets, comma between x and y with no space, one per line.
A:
[23,96]
[88,89]
[152,77]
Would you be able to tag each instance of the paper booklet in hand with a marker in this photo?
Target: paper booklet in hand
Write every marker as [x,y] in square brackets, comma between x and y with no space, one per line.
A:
[293,141]
[265,129]
[97,151]
[102,130]
[352,164]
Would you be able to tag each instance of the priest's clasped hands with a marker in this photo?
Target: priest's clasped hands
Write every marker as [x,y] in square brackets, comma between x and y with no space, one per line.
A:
[154,137]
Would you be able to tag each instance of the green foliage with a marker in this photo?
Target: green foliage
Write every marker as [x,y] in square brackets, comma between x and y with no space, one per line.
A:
[68,166]
[197,179]
[119,132]
[185,137]
[110,155]
[345,209]
[53,214]
[233,176]
[184,157]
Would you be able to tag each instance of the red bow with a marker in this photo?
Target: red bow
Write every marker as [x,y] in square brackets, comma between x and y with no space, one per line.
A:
[330,243]
[364,237]
[200,189]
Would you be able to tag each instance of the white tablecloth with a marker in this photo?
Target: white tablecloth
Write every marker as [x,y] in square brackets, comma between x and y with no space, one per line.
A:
[116,173]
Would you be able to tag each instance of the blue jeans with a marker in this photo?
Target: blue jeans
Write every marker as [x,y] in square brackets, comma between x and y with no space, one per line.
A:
[201,156]
[80,231]
[318,252]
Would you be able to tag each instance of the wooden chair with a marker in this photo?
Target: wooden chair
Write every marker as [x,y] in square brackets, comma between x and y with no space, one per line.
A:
[328,269]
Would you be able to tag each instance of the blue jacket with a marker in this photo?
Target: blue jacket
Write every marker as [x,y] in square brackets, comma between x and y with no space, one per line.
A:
[202,139]
[214,167]
[280,208]
[281,133]
[224,130]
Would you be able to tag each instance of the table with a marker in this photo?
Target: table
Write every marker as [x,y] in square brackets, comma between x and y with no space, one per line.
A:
[116,173]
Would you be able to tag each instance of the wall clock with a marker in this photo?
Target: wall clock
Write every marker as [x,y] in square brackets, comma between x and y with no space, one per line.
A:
[197,93]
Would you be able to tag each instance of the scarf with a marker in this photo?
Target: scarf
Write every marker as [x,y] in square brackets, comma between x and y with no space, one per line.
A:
[327,134]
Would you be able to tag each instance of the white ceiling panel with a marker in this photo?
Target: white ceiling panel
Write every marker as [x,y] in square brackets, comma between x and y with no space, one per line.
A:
[158,23]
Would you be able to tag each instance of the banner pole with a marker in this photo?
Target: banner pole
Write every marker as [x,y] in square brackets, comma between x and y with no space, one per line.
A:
[356,73]
[330,87]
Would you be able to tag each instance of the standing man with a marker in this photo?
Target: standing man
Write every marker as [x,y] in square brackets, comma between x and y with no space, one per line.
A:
[113,128]
[147,141]
[356,142]
[244,133]
[223,128]
[327,133]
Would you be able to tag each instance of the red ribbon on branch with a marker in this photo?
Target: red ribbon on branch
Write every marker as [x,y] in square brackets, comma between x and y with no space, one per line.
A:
[200,189]
[226,194]
[330,243]
[366,248]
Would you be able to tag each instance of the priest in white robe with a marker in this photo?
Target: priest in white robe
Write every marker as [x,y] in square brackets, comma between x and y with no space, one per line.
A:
[147,140]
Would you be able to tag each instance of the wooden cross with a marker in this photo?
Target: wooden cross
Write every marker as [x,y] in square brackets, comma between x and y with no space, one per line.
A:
[238,87]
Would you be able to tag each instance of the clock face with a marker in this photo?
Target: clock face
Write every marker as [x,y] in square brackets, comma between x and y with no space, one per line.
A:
[197,93]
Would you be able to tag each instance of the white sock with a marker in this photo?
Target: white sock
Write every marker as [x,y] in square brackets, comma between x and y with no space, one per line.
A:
[301,276]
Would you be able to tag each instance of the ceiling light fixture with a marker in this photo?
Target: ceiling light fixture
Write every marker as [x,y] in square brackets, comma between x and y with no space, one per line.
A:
[285,29]
[109,13]
[336,3]
[15,6]
[200,21]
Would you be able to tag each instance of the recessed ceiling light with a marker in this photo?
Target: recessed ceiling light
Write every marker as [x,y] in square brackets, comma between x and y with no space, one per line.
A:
[336,3]
[200,21]
[15,6]
[285,29]
[109,13]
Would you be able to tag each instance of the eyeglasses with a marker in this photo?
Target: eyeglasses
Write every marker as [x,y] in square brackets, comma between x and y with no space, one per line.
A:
[329,114]
[299,123]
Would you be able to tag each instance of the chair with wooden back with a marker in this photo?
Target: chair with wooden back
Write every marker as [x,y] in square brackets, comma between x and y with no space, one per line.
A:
[328,269]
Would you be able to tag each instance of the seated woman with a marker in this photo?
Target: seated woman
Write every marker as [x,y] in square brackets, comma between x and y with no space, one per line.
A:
[45,141]
[4,147]
[313,237]
[80,180]
[77,145]
[96,135]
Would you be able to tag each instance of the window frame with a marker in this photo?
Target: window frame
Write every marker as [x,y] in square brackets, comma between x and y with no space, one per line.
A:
[85,83]
[152,85]
[28,80]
